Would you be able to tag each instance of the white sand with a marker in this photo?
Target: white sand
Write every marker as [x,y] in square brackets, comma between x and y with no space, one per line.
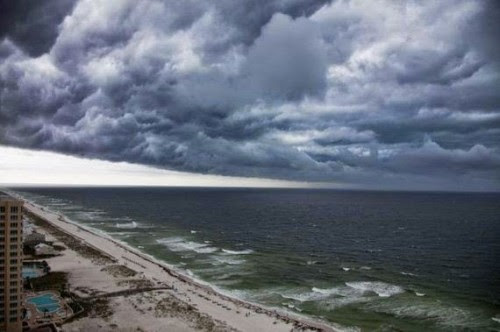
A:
[137,312]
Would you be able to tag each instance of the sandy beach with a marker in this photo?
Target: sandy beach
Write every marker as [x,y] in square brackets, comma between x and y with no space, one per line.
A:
[144,294]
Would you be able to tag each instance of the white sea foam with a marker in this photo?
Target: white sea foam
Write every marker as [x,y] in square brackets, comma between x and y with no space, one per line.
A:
[419,294]
[303,296]
[333,303]
[440,312]
[220,259]
[328,298]
[123,234]
[346,269]
[59,204]
[237,252]
[380,288]
[334,297]
[340,291]
[129,225]
[496,319]
[326,291]
[179,244]
[90,215]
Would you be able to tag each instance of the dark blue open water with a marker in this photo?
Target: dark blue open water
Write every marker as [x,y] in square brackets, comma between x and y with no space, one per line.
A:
[372,260]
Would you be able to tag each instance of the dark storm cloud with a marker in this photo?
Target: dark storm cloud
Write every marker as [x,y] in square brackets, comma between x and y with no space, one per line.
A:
[32,24]
[377,94]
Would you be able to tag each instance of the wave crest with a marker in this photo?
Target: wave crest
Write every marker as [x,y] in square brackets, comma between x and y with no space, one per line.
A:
[128,225]
[380,288]
[178,244]
[238,252]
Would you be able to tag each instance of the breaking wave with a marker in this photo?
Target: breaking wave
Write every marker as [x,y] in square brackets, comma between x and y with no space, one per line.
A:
[380,288]
[237,252]
[129,225]
[442,313]
[220,259]
[351,292]
[179,244]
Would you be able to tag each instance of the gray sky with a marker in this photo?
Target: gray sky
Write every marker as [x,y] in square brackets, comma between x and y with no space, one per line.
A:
[361,94]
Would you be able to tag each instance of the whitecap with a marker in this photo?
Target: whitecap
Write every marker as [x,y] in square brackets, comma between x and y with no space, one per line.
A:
[227,260]
[301,297]
[90,215]
[442,313]
[380,288]
[206,250]
[129,225]
[343,291]
[59,204]
[336,302]
[328,297]
[346,269]
[419,294]
[193,232]
[325,291]
[496,319]
[180,244]
[237,252]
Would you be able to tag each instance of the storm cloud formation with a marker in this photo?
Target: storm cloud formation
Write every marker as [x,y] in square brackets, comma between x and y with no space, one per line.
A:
[374,94]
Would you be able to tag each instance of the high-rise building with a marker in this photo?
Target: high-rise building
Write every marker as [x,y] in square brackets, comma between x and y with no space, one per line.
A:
[11,263]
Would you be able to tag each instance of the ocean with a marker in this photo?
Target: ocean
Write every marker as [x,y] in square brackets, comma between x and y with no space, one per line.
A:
[384,261]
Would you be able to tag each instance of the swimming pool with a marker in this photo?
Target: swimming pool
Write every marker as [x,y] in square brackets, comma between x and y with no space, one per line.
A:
[45,303]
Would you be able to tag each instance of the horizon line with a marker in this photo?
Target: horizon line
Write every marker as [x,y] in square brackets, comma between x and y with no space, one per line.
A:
[324,188]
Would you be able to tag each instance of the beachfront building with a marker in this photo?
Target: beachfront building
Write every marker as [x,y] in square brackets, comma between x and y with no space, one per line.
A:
[11,262]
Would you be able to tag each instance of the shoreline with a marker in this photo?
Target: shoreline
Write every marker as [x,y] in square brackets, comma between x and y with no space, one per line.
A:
[262,318]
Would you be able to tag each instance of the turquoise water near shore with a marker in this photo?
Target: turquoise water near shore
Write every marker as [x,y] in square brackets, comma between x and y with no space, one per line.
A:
[369,260]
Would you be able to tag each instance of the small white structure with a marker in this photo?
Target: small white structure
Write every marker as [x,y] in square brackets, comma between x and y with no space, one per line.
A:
[44,249]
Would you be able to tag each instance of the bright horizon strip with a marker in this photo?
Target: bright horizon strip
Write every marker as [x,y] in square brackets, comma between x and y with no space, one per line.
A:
[23,167]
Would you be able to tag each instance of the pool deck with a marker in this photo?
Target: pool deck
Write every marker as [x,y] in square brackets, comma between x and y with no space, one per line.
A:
[37,318]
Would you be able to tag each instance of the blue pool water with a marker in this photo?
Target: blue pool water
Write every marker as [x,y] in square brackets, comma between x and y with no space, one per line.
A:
[45,303]
[31,272]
